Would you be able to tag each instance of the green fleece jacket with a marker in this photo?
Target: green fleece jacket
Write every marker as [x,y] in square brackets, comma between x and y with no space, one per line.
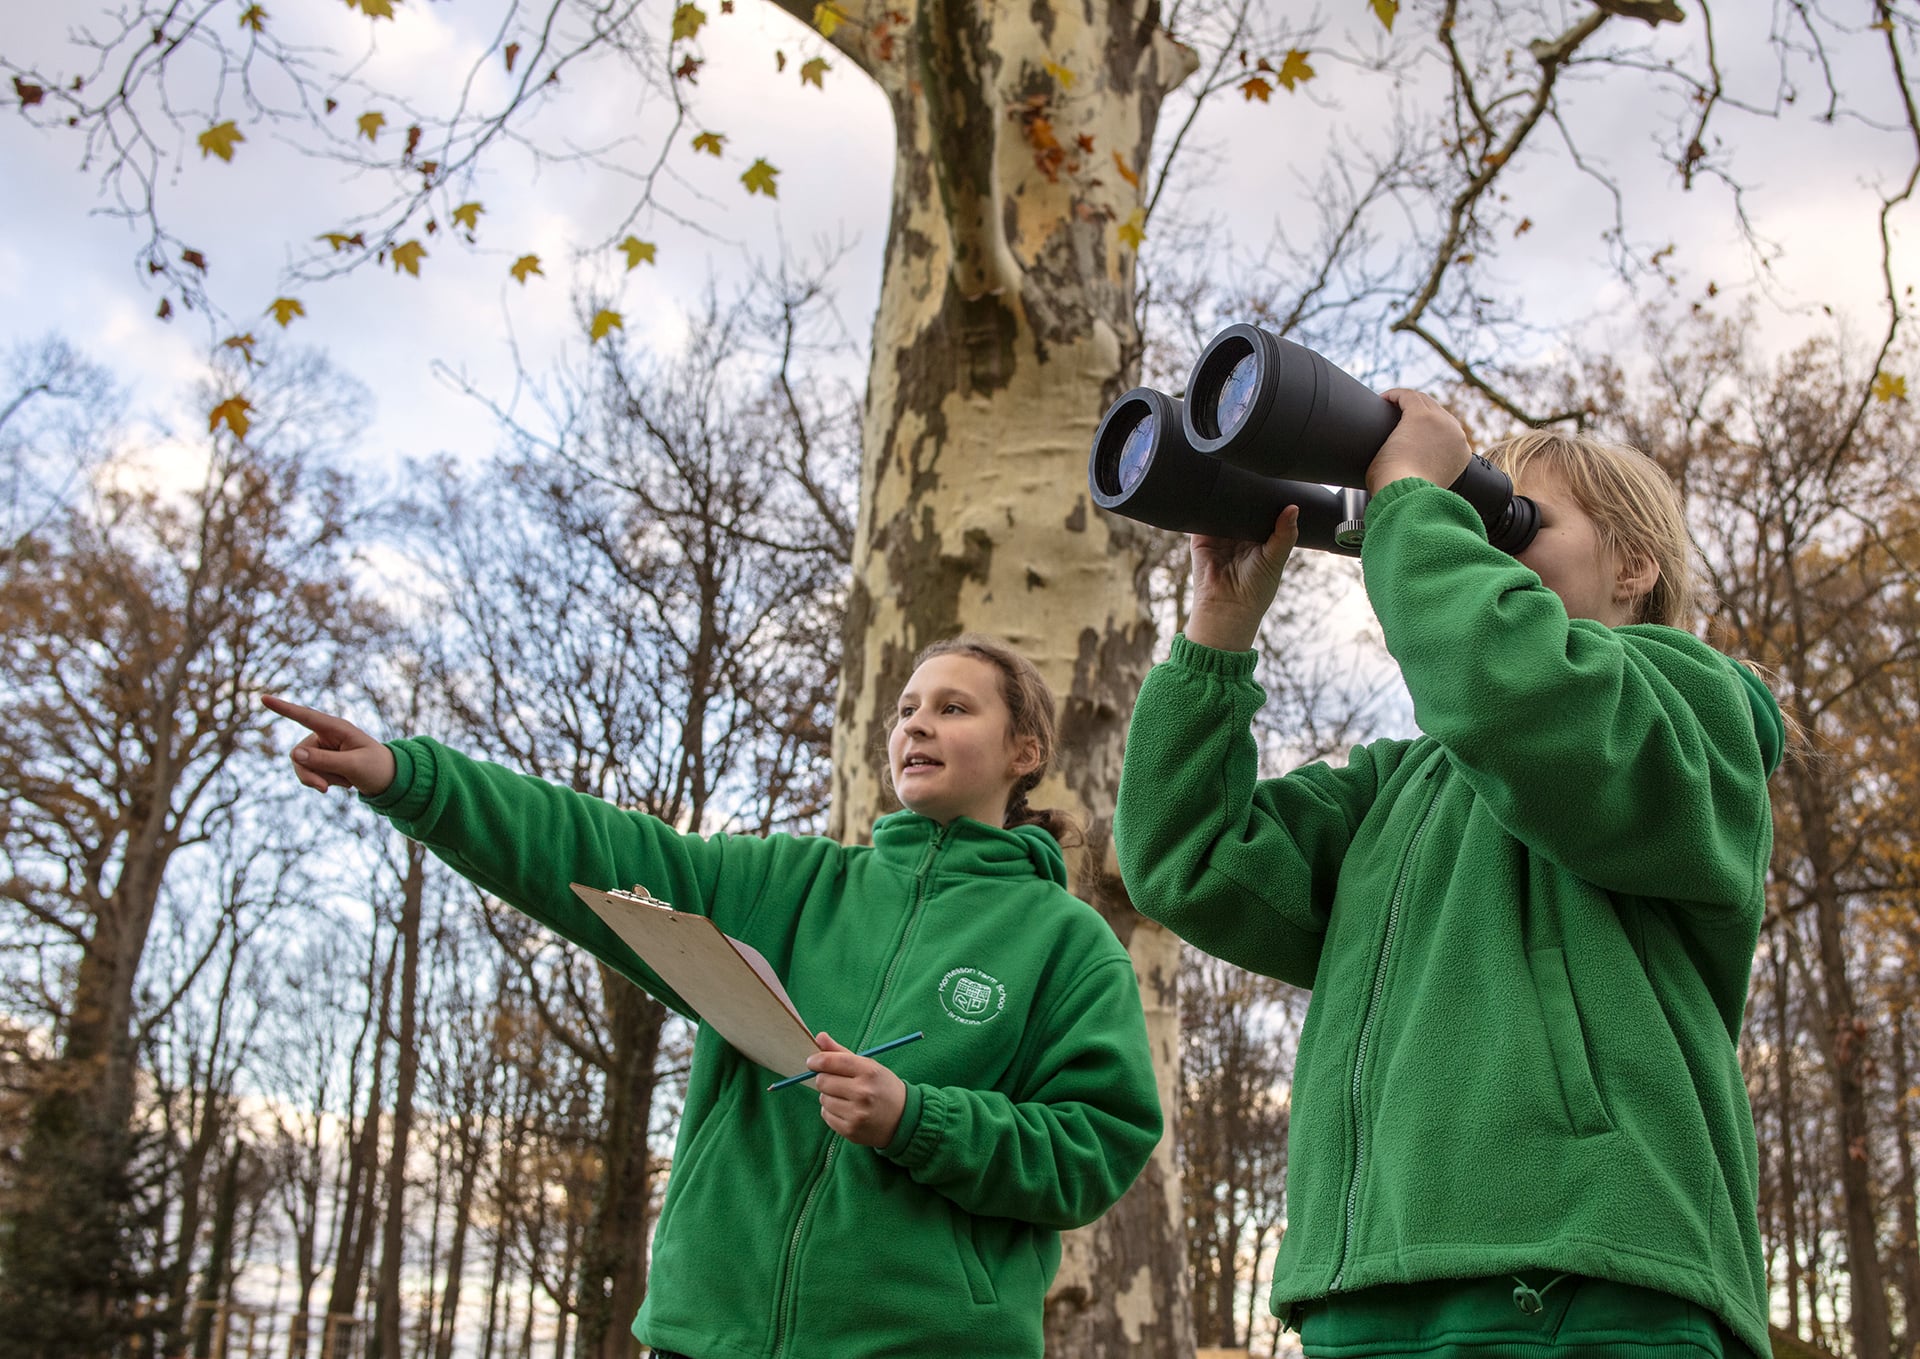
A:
[1528,932]
[1031,1103]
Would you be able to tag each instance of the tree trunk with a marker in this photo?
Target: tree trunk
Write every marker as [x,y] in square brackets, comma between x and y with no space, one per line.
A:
[363,1171]
[613,1272]
[406,1073]
[1005,328]
[1906,1241]
[472,1140]
[1783,1045]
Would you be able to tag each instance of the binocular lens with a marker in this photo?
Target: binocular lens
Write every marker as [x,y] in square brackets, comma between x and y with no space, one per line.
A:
[1122,471]
[1236,395]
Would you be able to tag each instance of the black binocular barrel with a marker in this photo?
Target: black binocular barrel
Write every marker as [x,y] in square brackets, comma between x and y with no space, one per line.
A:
[1143,467]
[1280,409]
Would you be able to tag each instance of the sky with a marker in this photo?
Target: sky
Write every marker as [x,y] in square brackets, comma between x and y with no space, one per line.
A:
[66,268]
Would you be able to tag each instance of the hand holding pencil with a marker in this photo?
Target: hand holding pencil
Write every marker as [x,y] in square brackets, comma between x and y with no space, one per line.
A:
[859,1098]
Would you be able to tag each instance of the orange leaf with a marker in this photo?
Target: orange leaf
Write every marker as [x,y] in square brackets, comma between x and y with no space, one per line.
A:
[408,257]
[511,52]
[219,140]
[1255,87]
[339,240]
[233,414]
[1126,171]
[604,321]
[243,343]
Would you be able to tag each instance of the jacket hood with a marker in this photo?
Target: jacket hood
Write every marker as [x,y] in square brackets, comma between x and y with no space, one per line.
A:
[1020,845]
[1768,724]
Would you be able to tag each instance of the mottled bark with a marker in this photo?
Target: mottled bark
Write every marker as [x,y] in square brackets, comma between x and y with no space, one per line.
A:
[1005,328]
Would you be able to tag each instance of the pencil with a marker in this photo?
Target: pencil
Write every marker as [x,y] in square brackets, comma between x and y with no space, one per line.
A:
[872,1051]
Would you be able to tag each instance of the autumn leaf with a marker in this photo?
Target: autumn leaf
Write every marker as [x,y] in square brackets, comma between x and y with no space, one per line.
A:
[1889,387]
[165,312]
[233,414]
[242,343]
[219,140]
[29,94]
[284,309]
[759,179]
[828,16]
[779,60]
[811,73]
[408,257]
[639,252]
[1385,11]
[687,20]
[689,70]
[1134,229]
[710,142]
[468,215]
[1294,70]
[1255,87]
[512,54]
[195,258]
[526,264]
[371,123]
[604,321]
[1525,225]
[1061,74]
[254,18]
[413,142]
[373,9]
[1126,171]
[339,240]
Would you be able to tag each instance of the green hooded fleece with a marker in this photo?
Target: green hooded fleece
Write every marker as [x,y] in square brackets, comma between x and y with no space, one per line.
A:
[1031,1103]
[1528,932]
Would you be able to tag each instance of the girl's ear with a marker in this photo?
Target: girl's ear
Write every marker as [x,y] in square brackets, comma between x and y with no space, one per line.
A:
[1026,756]
[1637,576]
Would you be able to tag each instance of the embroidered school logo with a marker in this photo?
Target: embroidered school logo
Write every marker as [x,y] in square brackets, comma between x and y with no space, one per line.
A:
[971,996]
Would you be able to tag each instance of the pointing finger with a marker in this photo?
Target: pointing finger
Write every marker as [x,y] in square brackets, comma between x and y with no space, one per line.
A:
[324,724]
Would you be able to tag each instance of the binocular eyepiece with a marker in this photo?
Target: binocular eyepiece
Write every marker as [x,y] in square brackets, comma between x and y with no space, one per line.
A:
[1267,423]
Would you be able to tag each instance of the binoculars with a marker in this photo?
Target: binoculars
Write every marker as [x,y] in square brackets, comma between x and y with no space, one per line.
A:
[1267,423]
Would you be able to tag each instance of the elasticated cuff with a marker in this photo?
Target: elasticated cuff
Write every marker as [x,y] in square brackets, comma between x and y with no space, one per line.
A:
[1209,661]
[406,798]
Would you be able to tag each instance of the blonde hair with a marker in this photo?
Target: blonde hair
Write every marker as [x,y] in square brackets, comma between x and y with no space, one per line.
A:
[1030,716]
[1634,506]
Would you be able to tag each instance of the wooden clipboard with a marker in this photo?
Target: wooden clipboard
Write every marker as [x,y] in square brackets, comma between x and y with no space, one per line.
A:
[727,983]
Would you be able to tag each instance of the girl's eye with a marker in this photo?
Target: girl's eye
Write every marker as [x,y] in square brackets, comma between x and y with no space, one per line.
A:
[906,710]
[954,708]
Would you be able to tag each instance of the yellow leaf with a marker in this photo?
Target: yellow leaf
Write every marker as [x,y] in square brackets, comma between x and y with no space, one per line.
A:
[604,321]
[408,257]
[1134,229]
[254,18]
[638,251]
[1061,74]
[526,264]
[759,179]
[811,72]
[1256,87]
[687,20]
[468,215]
[1126,171]
[1294,69]
[828,16]
[219,140]
[709,142]
[1385,11]
[373,9]
[233,414]
[1889,387]
[243,343]
[339,240]
[371,123]
[284,309]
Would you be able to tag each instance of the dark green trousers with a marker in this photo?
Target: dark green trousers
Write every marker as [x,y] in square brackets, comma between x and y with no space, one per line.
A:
[1527,1316]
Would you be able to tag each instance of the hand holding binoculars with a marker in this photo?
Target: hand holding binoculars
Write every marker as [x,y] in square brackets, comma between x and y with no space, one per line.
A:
[1268,423]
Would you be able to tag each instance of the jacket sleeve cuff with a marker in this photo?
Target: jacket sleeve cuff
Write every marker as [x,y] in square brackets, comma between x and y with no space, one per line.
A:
[920,1124]
[1208,661]
[406,798]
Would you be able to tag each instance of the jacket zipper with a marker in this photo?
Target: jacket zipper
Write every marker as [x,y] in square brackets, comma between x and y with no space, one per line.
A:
[921,874]
[1366,1031]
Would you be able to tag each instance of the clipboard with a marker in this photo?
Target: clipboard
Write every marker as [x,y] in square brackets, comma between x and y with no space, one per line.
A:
[730,985]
